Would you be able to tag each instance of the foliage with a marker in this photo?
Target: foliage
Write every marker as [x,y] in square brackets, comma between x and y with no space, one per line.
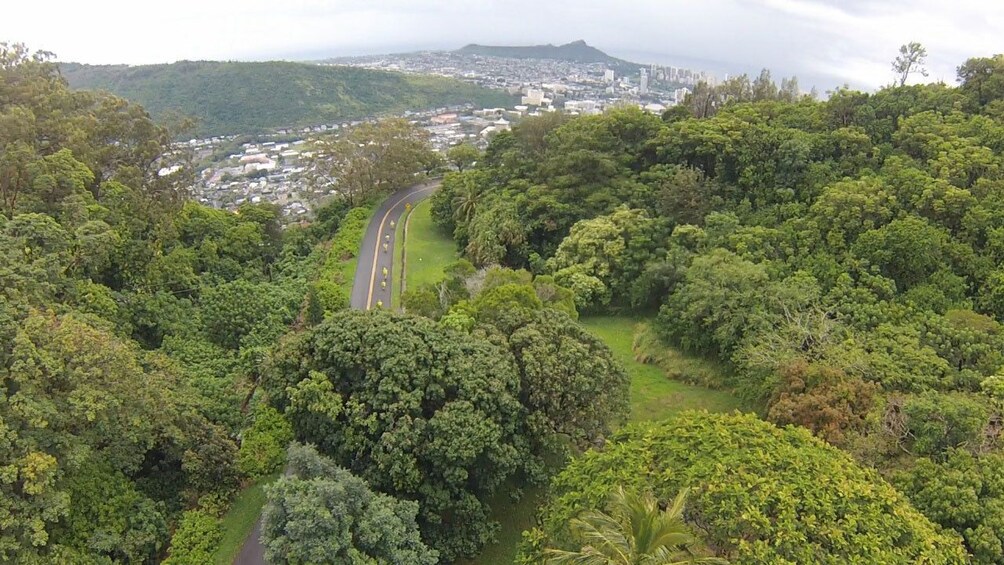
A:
[330,292]
[964,493]
[372,159]
[322,513]
[612,249]
[463,156]
[769,495]
[417,411]
[263,445]
[637,530]
[132,325]
[570,384]
[195,539]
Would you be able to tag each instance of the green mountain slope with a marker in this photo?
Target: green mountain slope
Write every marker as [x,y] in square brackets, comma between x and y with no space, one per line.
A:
[238,97]
[576,51]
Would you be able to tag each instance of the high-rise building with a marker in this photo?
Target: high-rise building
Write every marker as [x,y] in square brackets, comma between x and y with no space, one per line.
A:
[608,76]
[643,84]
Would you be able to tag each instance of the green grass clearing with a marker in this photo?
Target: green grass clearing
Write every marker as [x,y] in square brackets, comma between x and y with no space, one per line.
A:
[654,395]
[428,250]
[399,245]
[240,519]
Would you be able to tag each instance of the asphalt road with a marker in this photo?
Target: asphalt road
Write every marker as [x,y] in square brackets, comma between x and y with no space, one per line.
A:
[377,251]
[367,292]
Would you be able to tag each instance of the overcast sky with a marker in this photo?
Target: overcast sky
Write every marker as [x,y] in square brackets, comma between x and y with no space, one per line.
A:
[825,43]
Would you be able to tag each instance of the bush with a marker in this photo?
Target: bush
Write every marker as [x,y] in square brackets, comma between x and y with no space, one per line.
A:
[263,449]
[195,540]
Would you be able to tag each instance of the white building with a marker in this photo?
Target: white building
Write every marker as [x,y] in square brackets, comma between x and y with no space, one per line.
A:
[534,97]
[608,76]
[582,106]
[654,108]
[643,83]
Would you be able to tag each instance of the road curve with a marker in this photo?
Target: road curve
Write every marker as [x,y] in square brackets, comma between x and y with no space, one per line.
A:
[366,293]
[377,250]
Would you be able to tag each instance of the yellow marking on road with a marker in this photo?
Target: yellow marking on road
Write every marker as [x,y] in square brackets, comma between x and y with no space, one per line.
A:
[376,248]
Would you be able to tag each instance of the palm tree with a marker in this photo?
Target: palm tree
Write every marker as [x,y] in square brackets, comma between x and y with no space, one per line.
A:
[465,203]
[635,532]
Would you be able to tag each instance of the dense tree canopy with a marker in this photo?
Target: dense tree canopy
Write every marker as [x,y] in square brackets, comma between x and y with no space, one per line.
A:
[768,495]
[132,324]
[840,256]
[419,412]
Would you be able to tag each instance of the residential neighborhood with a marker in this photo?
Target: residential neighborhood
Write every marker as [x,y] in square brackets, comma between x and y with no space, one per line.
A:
[271,167]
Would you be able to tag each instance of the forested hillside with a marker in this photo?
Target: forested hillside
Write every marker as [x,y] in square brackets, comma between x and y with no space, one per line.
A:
[843,258]
[133,327]
[248,97]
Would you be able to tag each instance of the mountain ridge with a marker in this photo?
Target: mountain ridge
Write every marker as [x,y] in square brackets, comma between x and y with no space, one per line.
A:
[576,51]
[250,97]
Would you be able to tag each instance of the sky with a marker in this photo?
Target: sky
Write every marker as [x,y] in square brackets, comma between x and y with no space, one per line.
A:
[826,43]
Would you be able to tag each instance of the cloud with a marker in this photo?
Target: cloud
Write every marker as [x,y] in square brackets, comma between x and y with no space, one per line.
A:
[824,42]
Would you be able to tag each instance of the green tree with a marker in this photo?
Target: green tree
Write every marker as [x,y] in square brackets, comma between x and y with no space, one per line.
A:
[263,445]
[321,514]
[371,159]
[613,248]
[720,303]
[908,250]
[235,310]
[759,493]
[570,383]
[910,60]
[418,411]
[636,531]
[982,79]
[963,492]
[463,156]
[195,540]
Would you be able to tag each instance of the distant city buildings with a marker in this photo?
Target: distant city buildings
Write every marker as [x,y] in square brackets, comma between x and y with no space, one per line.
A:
[274,167]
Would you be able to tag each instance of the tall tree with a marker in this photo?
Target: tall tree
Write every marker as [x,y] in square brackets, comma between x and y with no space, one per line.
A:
[911,59]
[371,159]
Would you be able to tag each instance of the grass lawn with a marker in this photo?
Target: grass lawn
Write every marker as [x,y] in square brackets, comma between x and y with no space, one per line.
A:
[240,519]
[653,394]
[399,243]
[428,250]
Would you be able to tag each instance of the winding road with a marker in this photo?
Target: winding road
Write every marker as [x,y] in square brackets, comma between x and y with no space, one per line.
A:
[374,257]
[367,293]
